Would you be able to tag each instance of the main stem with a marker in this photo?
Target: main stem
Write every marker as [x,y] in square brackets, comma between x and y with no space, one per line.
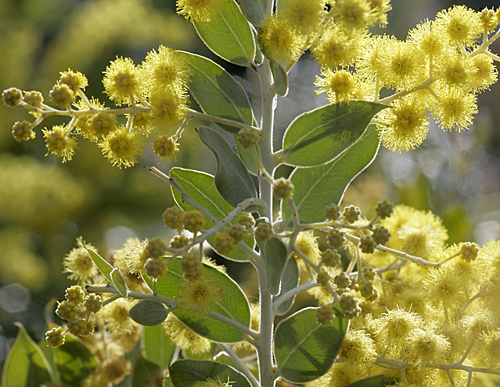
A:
[264,343]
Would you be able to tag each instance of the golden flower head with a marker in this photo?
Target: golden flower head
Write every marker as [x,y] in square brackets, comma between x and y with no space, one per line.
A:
[183,337]
[79,264]
[406,124]
[122,81]
[115,314]
[164,69]
[199,10]
[122,147]
[59,142]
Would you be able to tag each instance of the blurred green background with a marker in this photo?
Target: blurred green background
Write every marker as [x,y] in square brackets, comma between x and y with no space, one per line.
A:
[45,205]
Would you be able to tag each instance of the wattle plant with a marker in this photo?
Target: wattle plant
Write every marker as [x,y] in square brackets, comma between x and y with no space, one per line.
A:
[395,304]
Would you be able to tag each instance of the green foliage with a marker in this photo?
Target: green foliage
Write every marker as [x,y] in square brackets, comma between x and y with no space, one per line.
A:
[302,353]
[228,35]
[189,373]
[25,365]
[148,313]
[233,305]
[405,320]
[319,136]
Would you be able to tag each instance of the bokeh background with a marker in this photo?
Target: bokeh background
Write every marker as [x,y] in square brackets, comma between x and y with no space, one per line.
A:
[45,205]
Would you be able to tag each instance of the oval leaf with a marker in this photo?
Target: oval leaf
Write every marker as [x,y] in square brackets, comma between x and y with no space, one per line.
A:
[280,78]
[74,361]
[145,373]
[233,304]
[119,282]
[228,34]
[318,187]
[274,252]
[25,365]
[188,373]
[217,92]
[318,136]
[232,178]
[289,281]
[104,267]
[306,350]
[148,312]
[201,187]
[157,346]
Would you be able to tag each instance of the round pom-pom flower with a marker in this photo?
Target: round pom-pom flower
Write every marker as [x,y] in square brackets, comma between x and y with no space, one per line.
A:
[381,235]
[74,80]
[122,81]
[59,142]
[122,147]
[155,267]
[351,213]
[384,209]
[248,137]
[33,98]
[199,10]
[263,232]
[62,95]
[224,243]
[165,147]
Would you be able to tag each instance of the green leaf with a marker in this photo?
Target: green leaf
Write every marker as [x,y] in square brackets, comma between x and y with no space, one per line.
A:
[374,381]
[187,373]
[318,136]
[157,346]
[274,252]
[119,282]
[306,350]
[280,78]
[25,365]
[145,373]
[148,312]
[232,178]
[167,382]
[104,267]
[201,187]
[254,10]
[233,303]
[217,92]
[318,187]
[289,281]
[74,361]
[247,156]
[228,34]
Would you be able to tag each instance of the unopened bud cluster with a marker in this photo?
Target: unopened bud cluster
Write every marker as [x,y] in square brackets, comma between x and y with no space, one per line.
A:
[177,219]
[325,315]
[192,267]
[76,310]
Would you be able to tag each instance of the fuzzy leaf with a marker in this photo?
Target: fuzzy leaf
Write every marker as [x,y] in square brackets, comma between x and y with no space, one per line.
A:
[318,187]
[232,178]
[188,373]
[306,350]
[228,34]
[104,267]
[317,137]
[233,303]
[274,252]
[148,312]
[25,365]
[201,187]
[217,92]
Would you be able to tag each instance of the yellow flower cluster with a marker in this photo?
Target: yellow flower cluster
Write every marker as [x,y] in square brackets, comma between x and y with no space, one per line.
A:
[439,68]
[156,95]
[435,317]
